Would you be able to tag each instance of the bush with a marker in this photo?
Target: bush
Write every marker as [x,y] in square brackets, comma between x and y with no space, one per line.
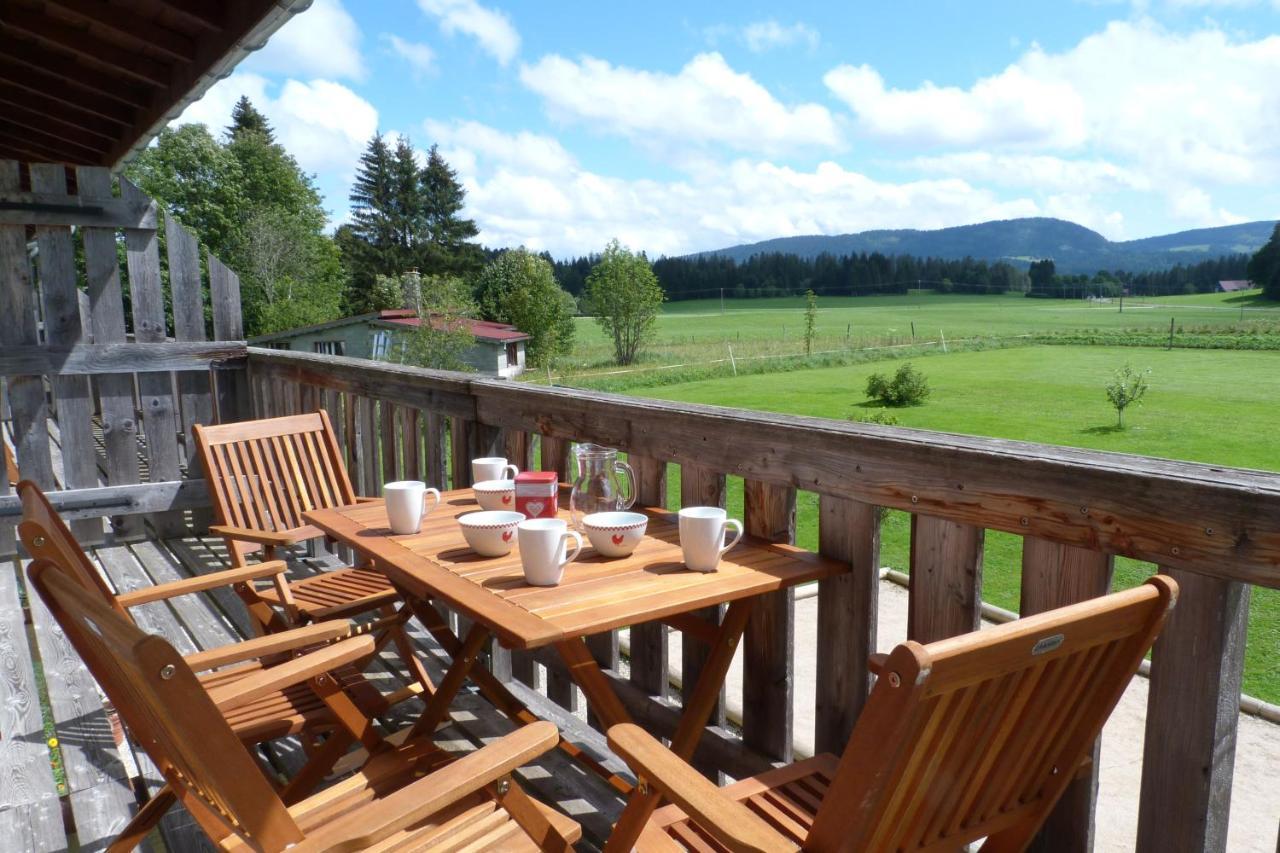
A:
[908,387]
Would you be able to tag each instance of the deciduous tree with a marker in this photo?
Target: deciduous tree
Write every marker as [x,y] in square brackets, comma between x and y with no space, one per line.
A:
[626,298]
[519,288]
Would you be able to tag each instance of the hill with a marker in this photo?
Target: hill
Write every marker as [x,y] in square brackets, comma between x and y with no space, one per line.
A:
[1073,248]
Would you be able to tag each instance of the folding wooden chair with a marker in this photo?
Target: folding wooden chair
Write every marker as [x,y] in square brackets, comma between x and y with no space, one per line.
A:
[263,475]
[410,798]
[972,737]
[337,703]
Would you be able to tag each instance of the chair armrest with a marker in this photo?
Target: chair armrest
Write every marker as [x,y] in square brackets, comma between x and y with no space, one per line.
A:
[728,821]
[876,662]
[365,827]
[262,537]
[227,577]
[270,644]
[272,679]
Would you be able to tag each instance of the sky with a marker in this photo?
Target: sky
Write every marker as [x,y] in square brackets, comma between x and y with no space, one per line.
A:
[683,127]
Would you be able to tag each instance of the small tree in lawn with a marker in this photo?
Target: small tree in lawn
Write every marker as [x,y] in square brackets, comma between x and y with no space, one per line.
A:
[1126,388]
[810,320]
[626,297]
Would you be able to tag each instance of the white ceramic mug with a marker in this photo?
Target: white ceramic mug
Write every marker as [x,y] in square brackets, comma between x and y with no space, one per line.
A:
[407,504]
[542,549]
[492,468]
[702,532]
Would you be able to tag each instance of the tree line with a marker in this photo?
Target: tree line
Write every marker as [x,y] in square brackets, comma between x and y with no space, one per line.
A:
[1202,277]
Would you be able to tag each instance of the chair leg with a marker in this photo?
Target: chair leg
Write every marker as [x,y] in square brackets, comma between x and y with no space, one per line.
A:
[144,821]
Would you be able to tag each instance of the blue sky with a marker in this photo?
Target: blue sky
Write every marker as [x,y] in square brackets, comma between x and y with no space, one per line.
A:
[679,127]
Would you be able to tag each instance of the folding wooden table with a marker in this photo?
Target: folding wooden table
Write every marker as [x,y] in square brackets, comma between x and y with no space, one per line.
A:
[597,594]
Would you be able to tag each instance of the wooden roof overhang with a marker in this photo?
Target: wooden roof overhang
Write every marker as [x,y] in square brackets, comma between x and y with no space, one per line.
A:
[90,82]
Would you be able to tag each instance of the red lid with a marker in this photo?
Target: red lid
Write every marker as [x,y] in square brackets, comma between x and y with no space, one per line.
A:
[537,477]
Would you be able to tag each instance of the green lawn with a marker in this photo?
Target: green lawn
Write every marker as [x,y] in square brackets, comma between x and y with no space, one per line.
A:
[1204,405]
[699,329]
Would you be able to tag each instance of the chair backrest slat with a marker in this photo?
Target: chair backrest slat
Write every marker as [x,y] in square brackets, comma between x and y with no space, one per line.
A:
[170,715]
[46,535]
[265,474]
[978,735]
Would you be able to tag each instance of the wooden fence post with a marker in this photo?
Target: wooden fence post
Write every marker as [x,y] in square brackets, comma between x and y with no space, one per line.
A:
[946,579]
[649,665]
[1193,709]
[768,685]
[106,310]
[560,687]
[64,327]
[848,531]
[1055,575]
[232,385]
[700,486]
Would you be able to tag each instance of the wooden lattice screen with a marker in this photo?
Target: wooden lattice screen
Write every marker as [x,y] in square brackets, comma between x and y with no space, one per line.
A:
[99,404]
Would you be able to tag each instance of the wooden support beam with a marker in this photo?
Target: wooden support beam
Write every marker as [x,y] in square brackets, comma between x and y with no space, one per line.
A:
[95,358]
[25,64]
[848,531]
[1193,708]
[133,499]
[79,42]
[768,650]
[37,208]
[122,23]
[1054,576]
[50,148]
[945,596]
[52,126]
[81,118]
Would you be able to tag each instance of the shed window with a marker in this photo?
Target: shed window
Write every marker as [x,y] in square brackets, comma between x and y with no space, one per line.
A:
[279,345]
[330,347]
[513,355]
[381,344]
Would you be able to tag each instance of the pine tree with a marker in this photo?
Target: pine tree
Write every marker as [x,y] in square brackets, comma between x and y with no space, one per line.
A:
[447,234]
[369,244]
[246,118]
[407,204]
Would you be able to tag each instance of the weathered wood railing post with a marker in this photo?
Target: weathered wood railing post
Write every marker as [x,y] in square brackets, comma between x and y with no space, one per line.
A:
[1055,575]
[848,531]
[555,457]
[63,327]
[700,486]
[106,308]
[518,446]
[768,654]
[945,596]
[649,661]
[1192,714]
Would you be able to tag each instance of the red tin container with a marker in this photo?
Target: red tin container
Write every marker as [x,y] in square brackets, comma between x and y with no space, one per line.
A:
[536,493]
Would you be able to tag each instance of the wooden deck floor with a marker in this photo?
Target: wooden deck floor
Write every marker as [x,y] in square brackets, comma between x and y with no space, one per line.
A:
[106,777]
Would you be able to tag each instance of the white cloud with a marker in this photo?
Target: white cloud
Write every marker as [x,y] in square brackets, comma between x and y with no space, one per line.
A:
[492,29]
[323,41]
[323,124]
[705,102]
[761,36]
[1043,171]
[524,188]
[1011,108]
[1193,107]
[1196,207]
[420,57]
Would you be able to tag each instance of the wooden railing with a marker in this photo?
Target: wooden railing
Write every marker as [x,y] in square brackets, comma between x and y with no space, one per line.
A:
[1216,530]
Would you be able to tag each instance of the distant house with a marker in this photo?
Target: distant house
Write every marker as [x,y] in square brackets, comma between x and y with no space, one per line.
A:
[498,350]
[1233,286]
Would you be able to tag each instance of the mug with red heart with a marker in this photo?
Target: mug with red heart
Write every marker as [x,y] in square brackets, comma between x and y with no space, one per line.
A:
[490,534]
[615,534]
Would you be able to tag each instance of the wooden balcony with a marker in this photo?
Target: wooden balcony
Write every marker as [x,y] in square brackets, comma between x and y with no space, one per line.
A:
[105,422]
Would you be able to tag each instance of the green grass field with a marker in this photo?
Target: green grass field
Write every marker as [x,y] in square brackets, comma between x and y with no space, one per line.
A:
[1204,405]
[698,330]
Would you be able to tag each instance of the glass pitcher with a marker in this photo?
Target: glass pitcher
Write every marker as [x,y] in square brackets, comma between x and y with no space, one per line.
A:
[598,486]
